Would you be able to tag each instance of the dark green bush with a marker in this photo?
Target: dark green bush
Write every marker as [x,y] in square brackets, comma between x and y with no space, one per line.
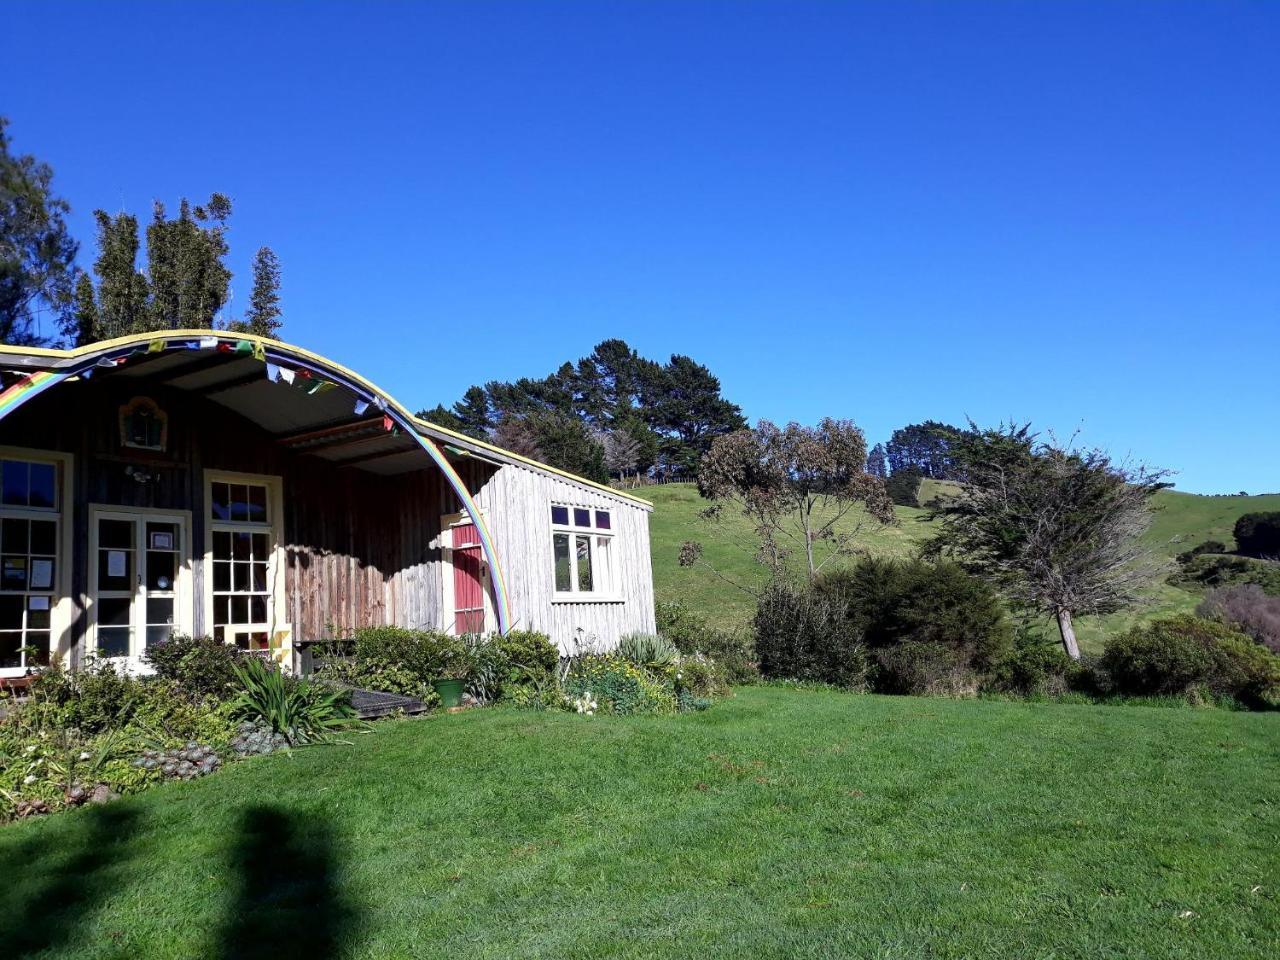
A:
[1217,571]
[200,666]
[1186,655]
[1209,546]
[94,698]
[903,487]
[804,633]
[733,650]
[924,627]
[1258,534]
[1036,665]
[528,655]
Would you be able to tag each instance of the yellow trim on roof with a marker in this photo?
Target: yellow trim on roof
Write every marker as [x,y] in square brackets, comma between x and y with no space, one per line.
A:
[134,339]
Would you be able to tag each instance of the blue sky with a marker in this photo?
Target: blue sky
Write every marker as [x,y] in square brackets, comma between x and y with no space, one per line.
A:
[1061,212]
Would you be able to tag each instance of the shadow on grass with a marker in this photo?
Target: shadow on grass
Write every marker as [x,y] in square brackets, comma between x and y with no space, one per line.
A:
[50,888]
[287,905]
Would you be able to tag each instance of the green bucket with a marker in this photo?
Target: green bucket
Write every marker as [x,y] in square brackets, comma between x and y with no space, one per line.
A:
[450,692]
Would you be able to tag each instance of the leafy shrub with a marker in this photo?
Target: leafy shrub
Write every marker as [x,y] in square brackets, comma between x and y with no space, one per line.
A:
[805,634]
[1184,655]
[924,667]
[700,677]
[1258,534]
[618,686]
[1248,609]
[903,487]
[1209,546]
[1036,665]
[200,666]
[299,710]
[530,657]
[1217,571]
[95,698]
[648,650]
[733,650]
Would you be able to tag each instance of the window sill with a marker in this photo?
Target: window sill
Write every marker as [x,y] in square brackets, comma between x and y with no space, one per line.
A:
[586,598]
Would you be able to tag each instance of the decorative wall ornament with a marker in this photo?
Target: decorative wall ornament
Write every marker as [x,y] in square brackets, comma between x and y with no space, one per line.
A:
[143,425]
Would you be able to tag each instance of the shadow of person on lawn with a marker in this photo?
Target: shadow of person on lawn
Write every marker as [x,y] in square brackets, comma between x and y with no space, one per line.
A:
[286,905]
[52,882]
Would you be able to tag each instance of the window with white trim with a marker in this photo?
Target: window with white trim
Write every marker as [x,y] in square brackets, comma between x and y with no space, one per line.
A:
[30,520]
[582,552]
[242,548]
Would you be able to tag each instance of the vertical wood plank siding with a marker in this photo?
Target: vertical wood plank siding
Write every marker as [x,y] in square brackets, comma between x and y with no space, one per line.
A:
[360,549]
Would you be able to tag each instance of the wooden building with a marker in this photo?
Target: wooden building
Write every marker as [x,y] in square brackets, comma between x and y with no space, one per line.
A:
[218,484]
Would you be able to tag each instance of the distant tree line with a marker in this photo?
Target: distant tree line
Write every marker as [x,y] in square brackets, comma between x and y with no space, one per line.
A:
[613,413]
[185,284]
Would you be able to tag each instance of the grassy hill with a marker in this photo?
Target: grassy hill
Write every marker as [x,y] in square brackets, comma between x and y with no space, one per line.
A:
[1182,520]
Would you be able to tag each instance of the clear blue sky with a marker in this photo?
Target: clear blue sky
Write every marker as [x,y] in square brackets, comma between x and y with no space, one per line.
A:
[1061,212]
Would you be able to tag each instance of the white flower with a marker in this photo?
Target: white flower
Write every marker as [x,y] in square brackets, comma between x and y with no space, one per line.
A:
[84,754]
[29,779]
[31,749]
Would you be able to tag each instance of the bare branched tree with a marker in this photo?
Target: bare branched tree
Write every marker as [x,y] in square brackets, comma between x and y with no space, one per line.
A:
[517,435]
[801,486]
[1057,529]
[621,451]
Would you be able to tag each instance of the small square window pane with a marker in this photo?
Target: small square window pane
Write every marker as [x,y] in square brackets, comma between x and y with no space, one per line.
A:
[115,533]
[39,640]
[162,536]
[44,485]
[110,562]
[584,564]
[44,537]
[221,505]
[161,569]
[10,649]
[564,578]
[13,536]
[239,609]
[159,634]
[221,545]
[581,518]
[257,503]
[239,501]
[13,573]
[602,520]
[113,641]
[240,545]
[11,612]
[260,576]
[258,609]
[261,546]
[160,610]
[114,611]
[13,482]
[240,577]
[560,516]
[220,609]
[222,575]
[38,619]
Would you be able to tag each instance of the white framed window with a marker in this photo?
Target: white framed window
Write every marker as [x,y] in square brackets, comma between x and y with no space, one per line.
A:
[243,565]
[32,557]
[582,553]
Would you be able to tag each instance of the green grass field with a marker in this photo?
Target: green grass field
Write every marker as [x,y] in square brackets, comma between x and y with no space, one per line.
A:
[1181,521]
[779,824]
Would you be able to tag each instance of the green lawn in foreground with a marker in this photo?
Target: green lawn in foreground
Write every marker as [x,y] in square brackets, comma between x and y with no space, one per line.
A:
[780,824]
[1181,521]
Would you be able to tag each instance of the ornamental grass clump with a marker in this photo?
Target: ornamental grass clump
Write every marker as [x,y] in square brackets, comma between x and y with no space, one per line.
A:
[618,686]
[298,710]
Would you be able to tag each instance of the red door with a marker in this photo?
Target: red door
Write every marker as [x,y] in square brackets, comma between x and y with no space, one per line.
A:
[468,588]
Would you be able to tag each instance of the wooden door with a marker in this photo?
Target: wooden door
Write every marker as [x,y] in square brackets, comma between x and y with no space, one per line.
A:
[468,580]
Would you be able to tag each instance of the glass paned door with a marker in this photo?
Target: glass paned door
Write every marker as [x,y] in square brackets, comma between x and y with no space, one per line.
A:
[136,565]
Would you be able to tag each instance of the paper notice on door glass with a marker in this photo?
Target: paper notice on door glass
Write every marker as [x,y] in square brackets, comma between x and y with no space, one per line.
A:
[38,603]
[41,575]
[116,563]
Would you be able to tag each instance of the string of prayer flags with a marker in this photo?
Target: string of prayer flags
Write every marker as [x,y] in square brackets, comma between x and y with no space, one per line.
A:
[108,362]
[273,372]
[208,343]
[361,406]
[388,424]
[287,375]
[157,346]
[260,352]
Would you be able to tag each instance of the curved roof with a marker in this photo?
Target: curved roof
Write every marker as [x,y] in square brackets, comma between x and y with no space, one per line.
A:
[317,426]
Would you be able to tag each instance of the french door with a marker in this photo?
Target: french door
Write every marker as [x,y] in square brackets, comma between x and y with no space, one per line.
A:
[137,580]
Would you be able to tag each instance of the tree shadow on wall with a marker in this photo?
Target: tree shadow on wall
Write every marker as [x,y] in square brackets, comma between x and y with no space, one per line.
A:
[287,905]
[52,883]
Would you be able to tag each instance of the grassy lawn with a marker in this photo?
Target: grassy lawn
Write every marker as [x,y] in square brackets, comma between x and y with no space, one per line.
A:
[778,824]
[1181,521]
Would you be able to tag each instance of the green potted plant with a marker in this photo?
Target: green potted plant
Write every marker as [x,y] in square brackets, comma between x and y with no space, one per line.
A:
[452,671]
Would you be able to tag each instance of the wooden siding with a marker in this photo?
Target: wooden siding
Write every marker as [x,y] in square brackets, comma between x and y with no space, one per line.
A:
[360,549]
